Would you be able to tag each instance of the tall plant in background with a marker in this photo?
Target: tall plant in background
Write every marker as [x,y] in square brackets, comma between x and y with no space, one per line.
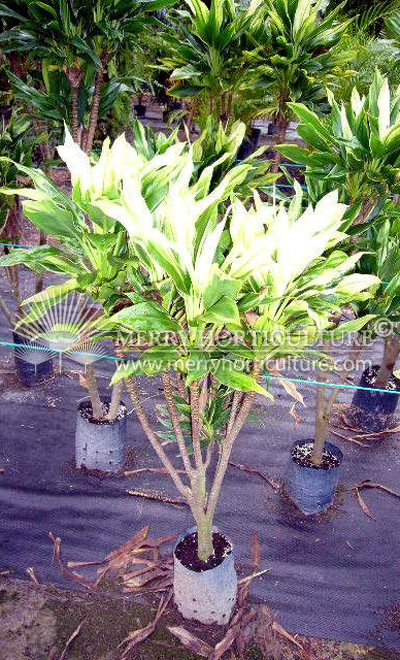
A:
[208,56]
[79,37]
[355,150]
[295,49]
[18,142]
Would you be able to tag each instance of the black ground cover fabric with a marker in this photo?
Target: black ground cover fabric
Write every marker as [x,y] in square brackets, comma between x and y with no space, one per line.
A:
[331,576]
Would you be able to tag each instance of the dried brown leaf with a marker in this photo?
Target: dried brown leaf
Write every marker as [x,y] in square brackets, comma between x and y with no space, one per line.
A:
[138,636]
[31,573]
[246,468]
[250,578]
[367,483]
[233,631]
[362,504]
[158,497]
[56,547]
[296,417]
[70,640]
[286,635]
[348,438]
[255,550]
[163,471]
[190,641]
[289,387]
[83,381]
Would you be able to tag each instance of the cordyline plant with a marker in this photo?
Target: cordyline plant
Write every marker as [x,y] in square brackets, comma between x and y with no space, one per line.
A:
[79,38]
[215,152]
[355,150]
[382,258]
[220,297]
[296,57]
[223,294]
[208,55]
[93,253]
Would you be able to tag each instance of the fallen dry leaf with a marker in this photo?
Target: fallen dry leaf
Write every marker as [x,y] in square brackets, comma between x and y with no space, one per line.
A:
[31,573]
[362,504]
[83,381]
[191,642]
[286,635]
[250,578]
[156,470]
[233,631]
[70,640]
[348,438]
[158,497]
[297,419]
[367,483]
[255,550]
[288,386]
[138,636]
[246,468]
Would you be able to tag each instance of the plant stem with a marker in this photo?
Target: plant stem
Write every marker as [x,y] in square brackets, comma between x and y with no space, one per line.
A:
[94,114]
[175,422]
[93,389]
[115,402]
[75,120]
[321,422]
[154,441]
[205,547]
[227,445]
[390,355]
[196,423]
[280,138]
[6,311]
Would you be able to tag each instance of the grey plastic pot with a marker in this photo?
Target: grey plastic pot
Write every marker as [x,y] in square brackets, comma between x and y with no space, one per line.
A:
[312,490]
[208,597]
[100,446]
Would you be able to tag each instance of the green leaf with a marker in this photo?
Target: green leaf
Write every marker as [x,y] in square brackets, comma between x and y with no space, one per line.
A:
[237,380]
[144,317]
[222,312]
[349,327]
[52,293]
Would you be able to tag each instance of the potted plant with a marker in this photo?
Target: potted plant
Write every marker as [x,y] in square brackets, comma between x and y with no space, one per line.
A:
[376,400]
[17,141]
[92,255]
[313,470]
[219,298]
[355,150]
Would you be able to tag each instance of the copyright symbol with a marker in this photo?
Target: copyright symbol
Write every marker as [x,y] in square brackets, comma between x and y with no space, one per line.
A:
[383,328]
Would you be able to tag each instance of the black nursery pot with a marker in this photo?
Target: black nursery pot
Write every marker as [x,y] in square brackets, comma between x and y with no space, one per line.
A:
[28,371]
[5,112]
[372,411]
[312,489]
[140,110]
[249,144]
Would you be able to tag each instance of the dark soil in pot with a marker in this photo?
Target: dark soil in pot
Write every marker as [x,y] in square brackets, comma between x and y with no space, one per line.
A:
[301,454]
[372,411]
[86,412]
[100,444]
[186,552]
[140,110]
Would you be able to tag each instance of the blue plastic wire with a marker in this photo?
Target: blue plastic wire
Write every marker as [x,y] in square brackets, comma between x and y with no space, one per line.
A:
[301,381]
